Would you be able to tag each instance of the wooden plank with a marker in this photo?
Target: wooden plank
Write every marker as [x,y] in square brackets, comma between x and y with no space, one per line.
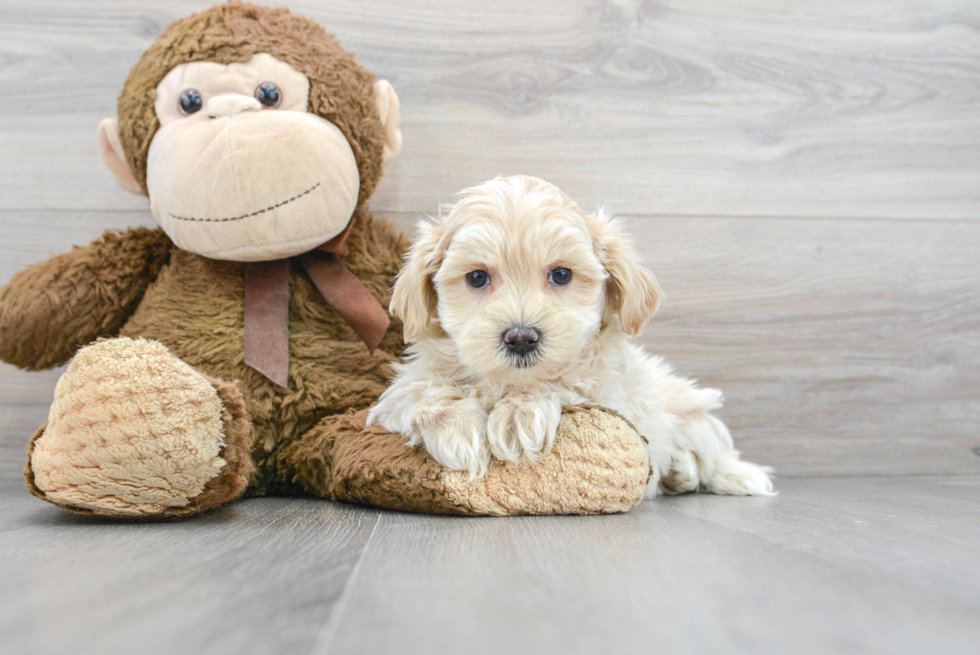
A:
[844,346]
[739,108]
[860,565]
[814,570]
[855,522]
[259,576]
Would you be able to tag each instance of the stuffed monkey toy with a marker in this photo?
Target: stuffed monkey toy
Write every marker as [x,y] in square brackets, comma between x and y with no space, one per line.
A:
[235,349]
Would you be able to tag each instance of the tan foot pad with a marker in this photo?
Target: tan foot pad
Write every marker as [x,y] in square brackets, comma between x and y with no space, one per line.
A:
[133,432]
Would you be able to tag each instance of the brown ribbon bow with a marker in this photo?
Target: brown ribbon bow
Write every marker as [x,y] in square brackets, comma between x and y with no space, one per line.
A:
[267,305]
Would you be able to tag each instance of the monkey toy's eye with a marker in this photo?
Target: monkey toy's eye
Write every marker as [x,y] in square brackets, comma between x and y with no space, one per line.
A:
[268,94]
[190,102]
[559,277]
[478,279]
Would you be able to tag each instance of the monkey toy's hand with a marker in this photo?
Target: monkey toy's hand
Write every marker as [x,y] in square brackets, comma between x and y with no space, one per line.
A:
[50,310]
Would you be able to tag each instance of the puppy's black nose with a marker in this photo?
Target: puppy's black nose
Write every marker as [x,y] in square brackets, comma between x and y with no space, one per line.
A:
[521,340]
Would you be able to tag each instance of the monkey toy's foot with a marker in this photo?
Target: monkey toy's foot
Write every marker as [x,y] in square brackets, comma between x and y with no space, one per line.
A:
[598,465]
[134,432]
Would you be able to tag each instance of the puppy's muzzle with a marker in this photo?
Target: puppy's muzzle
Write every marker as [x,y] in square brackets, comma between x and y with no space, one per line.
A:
[521,341]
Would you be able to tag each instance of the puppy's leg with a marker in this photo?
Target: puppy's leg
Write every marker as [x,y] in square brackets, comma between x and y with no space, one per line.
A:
[453,430]
[704,445]
[720,467]
[683,475]
[435,412]
[522,425]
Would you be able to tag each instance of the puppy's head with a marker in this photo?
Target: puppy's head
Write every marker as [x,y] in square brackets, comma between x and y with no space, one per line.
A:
[522,280]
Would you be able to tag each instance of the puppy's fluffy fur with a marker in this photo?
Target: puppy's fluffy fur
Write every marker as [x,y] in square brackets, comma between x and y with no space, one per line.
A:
[465,396]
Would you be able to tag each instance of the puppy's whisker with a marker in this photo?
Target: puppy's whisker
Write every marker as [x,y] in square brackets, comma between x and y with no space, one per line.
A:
[521,361]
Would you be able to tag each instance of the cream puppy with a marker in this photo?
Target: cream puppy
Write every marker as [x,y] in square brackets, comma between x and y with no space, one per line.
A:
[517,304]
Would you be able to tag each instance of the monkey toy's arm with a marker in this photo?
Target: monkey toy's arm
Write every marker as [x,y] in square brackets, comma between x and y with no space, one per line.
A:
[53,308]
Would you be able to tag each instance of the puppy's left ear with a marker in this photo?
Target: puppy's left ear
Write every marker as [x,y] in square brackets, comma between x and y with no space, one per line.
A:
[413,298]
[633,290]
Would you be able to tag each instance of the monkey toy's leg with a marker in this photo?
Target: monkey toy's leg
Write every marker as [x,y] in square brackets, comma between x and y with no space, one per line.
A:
[598,466]
[136,433]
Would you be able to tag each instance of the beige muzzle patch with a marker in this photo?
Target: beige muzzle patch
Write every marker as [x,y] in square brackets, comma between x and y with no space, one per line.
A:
[236,180]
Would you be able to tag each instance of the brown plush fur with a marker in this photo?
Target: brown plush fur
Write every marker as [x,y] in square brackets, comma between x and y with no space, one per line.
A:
[343,459]
[52,309]
[195,308]
[235,475]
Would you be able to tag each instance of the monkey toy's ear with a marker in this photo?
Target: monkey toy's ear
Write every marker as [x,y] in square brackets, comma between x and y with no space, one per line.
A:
[110,147]
[387,102]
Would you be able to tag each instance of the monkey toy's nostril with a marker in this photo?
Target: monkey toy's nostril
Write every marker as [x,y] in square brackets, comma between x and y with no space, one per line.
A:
[521,340]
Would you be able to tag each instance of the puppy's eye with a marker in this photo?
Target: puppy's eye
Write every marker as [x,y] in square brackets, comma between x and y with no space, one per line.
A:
[559,277]
[478,279]
[268,94]
[190,102]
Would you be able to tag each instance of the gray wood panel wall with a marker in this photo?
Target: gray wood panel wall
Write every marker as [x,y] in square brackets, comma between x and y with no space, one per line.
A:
[803,177]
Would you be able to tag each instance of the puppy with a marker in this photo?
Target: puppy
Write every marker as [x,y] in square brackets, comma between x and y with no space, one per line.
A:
[517,304]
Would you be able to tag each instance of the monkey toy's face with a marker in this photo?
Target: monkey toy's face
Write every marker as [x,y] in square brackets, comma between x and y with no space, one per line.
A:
[239,169]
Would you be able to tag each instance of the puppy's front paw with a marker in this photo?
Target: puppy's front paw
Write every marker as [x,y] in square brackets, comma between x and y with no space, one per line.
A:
[523,425]
[455,435]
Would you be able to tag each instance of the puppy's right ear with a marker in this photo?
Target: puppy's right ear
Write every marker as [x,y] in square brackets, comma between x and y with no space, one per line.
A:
[413,298]
[633,291]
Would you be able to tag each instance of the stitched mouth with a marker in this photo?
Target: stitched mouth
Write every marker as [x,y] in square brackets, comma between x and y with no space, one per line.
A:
[249,215]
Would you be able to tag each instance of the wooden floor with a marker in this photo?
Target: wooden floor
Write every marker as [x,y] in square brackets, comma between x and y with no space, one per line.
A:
[803,177]
[846,565]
